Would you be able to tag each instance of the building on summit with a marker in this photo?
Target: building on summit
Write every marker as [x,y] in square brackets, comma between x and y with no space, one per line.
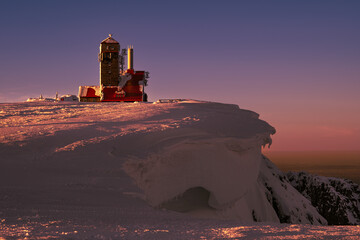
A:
[116,84]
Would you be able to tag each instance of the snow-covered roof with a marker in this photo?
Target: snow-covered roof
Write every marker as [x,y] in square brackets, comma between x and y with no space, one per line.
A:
[109,40]
[89,91]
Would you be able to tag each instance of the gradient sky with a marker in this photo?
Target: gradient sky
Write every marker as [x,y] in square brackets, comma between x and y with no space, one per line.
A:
[296,63]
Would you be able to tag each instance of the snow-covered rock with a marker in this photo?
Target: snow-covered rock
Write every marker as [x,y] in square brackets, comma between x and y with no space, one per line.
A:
[337,200]
[290,206]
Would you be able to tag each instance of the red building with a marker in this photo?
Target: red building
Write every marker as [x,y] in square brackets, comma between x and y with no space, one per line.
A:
[116,85]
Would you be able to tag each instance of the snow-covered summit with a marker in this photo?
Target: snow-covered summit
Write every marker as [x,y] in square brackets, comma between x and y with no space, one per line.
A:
[202,151]
[136,164]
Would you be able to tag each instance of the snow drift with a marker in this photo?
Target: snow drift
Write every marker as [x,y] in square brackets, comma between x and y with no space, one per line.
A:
[214,168]
[196,157]
[129,168]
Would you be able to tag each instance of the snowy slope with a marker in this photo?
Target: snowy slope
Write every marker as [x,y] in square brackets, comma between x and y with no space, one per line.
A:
[289,205]
[338,200]
[110,170]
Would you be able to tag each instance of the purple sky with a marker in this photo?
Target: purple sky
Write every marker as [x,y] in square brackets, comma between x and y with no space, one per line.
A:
[296,63]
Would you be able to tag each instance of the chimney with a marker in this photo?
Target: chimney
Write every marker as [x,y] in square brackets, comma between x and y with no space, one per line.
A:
[130,54]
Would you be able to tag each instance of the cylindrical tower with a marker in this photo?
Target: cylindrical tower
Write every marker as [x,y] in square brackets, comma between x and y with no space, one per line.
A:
[130,54]
[109,62]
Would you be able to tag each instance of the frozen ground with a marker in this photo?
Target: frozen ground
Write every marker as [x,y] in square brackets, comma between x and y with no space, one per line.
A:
[62,172]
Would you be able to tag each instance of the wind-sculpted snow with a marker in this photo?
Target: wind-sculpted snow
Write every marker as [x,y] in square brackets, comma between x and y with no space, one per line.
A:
[226,174]
[219,155]
[126,170]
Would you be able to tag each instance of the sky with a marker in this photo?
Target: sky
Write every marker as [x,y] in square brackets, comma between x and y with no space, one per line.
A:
[296,63]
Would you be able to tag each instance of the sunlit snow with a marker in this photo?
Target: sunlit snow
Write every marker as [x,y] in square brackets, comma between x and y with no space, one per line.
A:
[122,170]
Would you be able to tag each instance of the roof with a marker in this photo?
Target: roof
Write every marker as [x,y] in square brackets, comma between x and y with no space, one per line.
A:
[89,91]
[109,40]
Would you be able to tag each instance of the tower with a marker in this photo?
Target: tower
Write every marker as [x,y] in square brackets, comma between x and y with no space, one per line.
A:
[109,62]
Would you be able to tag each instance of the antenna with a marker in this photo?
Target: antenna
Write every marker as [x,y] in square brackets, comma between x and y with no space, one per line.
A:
[122,59]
